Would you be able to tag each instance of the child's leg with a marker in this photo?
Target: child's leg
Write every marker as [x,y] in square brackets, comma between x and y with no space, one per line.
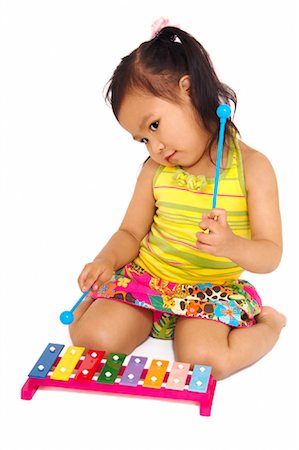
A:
[110,325]
[226,350]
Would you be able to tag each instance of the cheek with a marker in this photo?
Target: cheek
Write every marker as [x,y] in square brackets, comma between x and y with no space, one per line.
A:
[183,123]
[182,135]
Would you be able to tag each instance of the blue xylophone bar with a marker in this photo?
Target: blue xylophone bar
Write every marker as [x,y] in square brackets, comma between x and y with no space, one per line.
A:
[46,361]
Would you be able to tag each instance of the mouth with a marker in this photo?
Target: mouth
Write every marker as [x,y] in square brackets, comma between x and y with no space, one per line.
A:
[168,158]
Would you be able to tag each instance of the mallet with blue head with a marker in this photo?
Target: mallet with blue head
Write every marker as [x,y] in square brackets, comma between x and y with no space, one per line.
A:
[67,317]
[223,112]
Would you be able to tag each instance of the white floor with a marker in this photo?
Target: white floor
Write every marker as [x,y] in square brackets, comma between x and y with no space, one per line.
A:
[63,196]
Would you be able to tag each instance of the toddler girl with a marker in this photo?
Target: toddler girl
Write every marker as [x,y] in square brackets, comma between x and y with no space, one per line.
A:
[172,270]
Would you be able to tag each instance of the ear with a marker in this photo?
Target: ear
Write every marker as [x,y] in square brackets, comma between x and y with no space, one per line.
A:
[184,84]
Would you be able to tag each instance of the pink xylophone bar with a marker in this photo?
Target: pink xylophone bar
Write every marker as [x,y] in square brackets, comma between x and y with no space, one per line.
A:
[94,373]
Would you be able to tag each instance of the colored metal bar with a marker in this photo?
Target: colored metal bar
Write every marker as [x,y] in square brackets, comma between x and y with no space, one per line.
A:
[89,365]
[111,368]
[67,363]
[200,378]
[46,361]
[178,376]
[155,374]
[133,371]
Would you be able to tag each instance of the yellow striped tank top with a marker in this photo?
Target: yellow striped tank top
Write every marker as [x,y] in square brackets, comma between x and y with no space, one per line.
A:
[169,249]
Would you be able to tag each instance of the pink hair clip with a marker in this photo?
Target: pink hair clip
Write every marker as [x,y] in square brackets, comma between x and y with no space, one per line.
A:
[159,24]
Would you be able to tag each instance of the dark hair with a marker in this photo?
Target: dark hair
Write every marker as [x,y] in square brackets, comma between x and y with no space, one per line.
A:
[156,66]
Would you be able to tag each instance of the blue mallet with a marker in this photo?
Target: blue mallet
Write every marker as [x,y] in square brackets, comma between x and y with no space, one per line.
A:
[223,112]
[67,317]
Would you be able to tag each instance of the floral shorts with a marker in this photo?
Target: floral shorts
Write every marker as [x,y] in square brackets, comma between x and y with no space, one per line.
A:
[232,303]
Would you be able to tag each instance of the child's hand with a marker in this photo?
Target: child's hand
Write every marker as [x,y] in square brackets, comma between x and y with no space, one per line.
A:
[220,238]
[95,273]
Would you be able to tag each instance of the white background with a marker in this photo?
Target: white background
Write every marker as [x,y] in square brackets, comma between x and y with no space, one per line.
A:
[67,174]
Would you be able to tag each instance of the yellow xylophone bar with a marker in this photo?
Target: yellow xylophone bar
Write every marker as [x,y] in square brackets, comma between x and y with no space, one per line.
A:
[67,363]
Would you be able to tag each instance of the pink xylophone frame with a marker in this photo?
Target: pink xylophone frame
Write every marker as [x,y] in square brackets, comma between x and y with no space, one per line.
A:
[204,400]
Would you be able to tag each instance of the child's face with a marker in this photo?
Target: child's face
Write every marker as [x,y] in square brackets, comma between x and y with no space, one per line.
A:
[172,132]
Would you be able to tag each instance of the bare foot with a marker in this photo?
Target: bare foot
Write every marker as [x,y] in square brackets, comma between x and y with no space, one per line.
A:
[272,317]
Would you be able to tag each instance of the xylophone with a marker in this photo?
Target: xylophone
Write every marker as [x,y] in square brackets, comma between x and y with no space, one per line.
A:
[93,372]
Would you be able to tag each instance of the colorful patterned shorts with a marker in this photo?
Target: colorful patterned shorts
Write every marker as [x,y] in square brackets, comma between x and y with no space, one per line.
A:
[233,303]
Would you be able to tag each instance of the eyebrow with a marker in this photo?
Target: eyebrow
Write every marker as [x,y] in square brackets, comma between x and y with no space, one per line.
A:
[143,121]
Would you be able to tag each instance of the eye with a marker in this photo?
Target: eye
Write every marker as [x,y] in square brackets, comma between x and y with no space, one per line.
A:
[154,126]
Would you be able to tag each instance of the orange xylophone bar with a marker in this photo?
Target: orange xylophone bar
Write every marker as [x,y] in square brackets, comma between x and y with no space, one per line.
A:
[93,373]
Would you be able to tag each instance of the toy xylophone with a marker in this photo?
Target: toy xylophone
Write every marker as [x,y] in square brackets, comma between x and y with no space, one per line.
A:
[93,372]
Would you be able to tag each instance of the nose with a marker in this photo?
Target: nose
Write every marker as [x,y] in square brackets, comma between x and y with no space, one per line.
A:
[156,146]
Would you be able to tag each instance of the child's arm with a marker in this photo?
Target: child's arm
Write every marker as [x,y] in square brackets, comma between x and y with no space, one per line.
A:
[124,245]
[262,253]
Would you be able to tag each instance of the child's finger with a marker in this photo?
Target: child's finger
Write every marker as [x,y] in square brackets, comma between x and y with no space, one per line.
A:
[102,278]
[204,224]
[88,278]
[97,283]
[106,275]
[208,225]
[203,238]
[220,215]
[82,278]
